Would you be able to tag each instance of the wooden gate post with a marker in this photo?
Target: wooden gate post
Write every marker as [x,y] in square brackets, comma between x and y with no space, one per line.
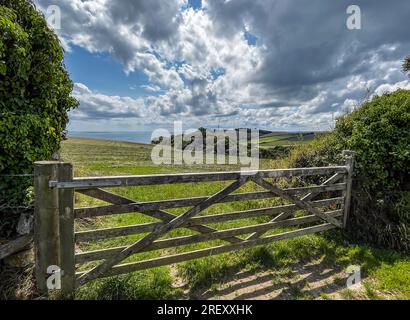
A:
[349,156]
[46,221]
[67,238]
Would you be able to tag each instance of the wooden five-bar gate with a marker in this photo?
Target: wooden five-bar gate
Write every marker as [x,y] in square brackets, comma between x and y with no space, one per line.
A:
[56,238]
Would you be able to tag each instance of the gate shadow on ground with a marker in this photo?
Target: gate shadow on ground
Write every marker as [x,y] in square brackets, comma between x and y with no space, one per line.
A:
[299,281]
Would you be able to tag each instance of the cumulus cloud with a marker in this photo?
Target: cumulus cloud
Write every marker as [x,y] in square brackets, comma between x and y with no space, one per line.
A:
[150,87]
[96,105]
[388,88]
[303,68]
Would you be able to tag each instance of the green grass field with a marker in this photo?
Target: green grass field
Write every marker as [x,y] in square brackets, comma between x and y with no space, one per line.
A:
[285,139]
[386,272]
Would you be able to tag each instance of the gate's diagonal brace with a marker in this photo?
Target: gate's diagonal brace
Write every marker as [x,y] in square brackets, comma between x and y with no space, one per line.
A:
[159,232]
[158,214]
[332,180]
[300,203]
[284,215]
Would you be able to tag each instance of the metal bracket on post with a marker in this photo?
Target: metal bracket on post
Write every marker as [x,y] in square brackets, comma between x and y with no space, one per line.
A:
[349,156]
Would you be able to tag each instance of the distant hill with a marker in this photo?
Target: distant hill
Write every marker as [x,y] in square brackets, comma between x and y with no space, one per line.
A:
[272,144]
[263,134]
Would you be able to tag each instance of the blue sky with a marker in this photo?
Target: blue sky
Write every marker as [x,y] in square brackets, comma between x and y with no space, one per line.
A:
[272,64]
[103,73]
[196,4]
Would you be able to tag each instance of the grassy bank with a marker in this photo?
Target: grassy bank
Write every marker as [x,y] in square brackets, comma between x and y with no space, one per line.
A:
[285,139]
[292,268]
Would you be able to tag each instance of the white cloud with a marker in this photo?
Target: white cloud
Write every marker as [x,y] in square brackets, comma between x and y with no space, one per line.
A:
[97,105]
[305,68]
[153,88]
[388,88]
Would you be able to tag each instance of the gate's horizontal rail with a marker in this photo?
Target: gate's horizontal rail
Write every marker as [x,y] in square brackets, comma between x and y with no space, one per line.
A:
[154,205]
[198,238]
[188,202]
[112,198]
[91,235]
[143,180]
[162,261]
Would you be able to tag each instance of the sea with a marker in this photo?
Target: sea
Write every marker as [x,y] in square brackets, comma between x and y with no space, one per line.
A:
[129,136]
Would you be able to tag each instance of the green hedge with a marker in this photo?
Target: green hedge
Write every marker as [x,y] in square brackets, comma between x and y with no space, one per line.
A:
[35,97]
[275,152]
[379,133]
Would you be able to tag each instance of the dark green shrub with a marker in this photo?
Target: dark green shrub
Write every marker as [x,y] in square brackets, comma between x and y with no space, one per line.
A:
[379,133]
[35,97]
[275,152]
[406,64]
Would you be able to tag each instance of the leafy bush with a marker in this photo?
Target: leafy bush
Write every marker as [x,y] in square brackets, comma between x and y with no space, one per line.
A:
[35,97]
[379,133]
[275,152]
[406,64]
